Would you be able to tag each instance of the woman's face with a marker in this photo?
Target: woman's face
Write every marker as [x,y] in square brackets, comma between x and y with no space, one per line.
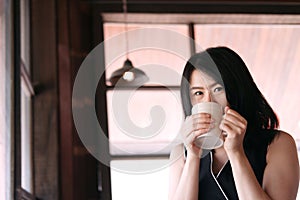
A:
[204,88]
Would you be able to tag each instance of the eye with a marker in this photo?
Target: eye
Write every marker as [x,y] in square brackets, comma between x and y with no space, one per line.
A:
[218,89]
[198,93]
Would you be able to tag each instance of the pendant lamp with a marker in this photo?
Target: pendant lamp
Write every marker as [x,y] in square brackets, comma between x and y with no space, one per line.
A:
[128,75]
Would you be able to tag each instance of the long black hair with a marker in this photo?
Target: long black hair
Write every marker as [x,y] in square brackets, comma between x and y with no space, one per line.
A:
[228,69]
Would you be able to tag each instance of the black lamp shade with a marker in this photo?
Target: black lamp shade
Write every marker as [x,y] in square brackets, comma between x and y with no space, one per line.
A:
[128,76]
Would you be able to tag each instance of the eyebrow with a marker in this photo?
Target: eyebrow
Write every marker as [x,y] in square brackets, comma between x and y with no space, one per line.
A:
[200,87]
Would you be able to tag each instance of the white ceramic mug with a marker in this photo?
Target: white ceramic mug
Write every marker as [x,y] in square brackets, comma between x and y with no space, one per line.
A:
[211,139]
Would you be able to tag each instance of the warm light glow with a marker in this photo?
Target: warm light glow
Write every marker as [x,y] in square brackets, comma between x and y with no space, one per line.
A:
[139,186]
[128,76]
[138,111]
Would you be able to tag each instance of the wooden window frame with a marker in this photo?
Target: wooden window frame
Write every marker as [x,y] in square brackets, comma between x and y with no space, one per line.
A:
[20,71]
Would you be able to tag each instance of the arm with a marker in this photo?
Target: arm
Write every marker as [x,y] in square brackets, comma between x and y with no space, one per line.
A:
[245,180]
[281,175]
[183,175]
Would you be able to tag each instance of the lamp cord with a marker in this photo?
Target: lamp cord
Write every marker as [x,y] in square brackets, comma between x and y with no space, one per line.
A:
[125,26]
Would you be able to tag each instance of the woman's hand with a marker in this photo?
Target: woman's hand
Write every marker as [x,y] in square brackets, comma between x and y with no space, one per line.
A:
[192,127]
[233,127]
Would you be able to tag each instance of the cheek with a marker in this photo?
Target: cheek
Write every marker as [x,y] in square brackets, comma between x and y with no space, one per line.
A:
[222,100]
[194,101]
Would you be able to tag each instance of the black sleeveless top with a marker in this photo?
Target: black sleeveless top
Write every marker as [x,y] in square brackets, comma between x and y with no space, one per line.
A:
[222,186]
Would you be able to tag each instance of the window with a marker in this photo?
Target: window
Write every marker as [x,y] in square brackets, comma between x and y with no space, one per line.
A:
[26,137]
[26,104]
[139,155]
[145,185]
[15,96]
[143,56]
[269,44]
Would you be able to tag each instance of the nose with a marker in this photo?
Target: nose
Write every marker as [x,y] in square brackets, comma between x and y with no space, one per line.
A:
[208,97]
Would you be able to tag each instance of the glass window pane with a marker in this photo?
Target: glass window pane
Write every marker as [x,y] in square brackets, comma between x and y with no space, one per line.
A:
[26,143]
[152,60]
[25,34]
[272,54]
[129,118]
[152,185]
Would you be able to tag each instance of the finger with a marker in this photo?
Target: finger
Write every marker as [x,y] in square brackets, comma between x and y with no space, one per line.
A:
[203,120]
[193,123]
[199,126]
[200,132]
[188,128]
[236,121]
[232,115]
[193,135]
[226,109]
[230,128]
[231,112]
[198,118]
[226,129]
[197,115]
[191,138]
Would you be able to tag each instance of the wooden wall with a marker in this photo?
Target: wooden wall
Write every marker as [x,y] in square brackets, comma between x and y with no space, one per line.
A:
[45,102]
[61,38]
[78,167]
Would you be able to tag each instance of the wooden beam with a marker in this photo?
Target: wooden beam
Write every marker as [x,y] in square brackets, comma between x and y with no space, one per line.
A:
[200,6]
[45,103]
[65,102]
[80,44]
[17,95]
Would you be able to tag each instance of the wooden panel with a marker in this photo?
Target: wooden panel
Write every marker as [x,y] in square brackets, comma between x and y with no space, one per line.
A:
[16,96]
[45,112]
[104,171]
[24,195]
[78,168]
[65,88]
[80,38]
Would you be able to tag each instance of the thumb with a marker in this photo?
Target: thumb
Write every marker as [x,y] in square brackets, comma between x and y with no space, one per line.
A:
[226,109]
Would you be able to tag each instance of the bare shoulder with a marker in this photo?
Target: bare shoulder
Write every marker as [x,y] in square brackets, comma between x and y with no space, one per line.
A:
[281,176]
[282,144]
[284,137]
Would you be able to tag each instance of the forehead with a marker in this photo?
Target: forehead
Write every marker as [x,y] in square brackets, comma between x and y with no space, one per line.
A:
[199,78]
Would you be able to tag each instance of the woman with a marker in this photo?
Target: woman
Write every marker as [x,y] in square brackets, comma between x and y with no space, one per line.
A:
[257,161]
